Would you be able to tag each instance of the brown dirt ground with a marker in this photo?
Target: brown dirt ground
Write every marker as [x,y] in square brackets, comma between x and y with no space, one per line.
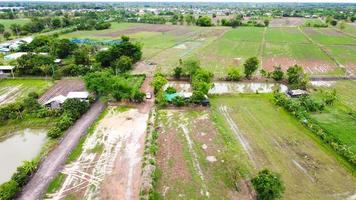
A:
[286,22]
[175,30]
[62,87]
[171,151]
[310,31]
[351,67]
[332,32]
[310,66]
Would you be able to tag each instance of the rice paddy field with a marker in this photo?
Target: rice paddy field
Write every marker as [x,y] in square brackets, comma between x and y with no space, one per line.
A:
[271,138]
[12,90]
[339,119]
[322,52]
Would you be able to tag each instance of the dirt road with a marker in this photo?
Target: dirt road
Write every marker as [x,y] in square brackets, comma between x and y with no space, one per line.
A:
[55,160]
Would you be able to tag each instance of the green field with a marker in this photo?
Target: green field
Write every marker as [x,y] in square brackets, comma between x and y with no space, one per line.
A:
[231,49]
[274,139]
[7,22]
[329,36]
[285,35]
[351,29]
[12,90]
[339,119]
[345,54]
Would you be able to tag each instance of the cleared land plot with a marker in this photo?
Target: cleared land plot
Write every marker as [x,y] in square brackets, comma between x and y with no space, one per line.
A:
[108,165]
[339,119]
[231,49]
[12,90]
[193,160]
[62,87]
[286,22]
[274,139]
[329,36]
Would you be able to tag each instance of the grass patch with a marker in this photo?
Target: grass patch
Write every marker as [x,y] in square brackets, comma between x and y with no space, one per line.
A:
[79,148]
[97,149]
[278,141]
[56,183]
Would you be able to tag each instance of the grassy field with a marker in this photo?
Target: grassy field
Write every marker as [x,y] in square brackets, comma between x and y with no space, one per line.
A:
[231,49]
[329,36]
[345,54]
[274,139]
[285,35]
[351,29]
[182,159]
[12,90]
[339,119]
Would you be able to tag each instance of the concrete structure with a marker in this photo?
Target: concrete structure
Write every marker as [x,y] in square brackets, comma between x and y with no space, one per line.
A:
[57,101]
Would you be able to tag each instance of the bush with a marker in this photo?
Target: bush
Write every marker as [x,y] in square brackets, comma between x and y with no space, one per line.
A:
[102,25]
[277,73]
[234,74]
[178,101]
[250,66]
[158,82]
[23,173]
[268,185]
[170,90]
[177,72]
[8,190]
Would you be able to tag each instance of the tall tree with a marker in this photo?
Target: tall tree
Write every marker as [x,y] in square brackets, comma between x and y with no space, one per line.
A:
[250,66]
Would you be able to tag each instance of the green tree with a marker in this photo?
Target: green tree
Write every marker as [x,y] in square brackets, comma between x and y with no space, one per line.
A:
[158,82]
[189,19]
[63,48]
[81,56]
[177,72]
[250,66]
[268,185]
[190,66]
[56,22]
[2,28]
[123,64]
[234,74]
[266,22]
[204,21]
[296,77]
[16,29]
[277,73]
[7,35]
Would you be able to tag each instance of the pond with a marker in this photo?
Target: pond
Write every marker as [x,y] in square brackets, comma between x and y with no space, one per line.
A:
[231,87]
[20,146]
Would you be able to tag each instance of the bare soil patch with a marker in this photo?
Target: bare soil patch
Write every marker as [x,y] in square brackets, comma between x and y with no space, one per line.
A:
[351,68]
[310,66]
[332,32]
[287,22]
[162,28]
[310,31]
[9,94]
[62,87]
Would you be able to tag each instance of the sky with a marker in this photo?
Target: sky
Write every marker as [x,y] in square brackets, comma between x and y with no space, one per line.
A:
[298,1]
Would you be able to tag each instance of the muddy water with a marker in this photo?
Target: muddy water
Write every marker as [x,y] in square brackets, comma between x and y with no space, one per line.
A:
[240,87]
[22,145]
[231,87]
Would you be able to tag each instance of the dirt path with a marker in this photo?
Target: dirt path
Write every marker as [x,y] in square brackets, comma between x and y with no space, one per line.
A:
[52,164]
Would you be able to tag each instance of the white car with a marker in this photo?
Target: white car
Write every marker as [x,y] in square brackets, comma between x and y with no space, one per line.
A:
[148,95]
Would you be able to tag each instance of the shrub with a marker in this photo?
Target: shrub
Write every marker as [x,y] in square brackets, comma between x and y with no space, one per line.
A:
[234,74]
[277,73]
[23,173]
[178,101]
[170,90]
[8,190]
[177,72]
[268,185]
[250,66]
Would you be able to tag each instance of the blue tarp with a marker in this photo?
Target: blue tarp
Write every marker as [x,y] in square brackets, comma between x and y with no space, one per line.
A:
[94,42]
[170,97]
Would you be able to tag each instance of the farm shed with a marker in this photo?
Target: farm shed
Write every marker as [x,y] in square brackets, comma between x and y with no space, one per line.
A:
[55,102]
[297,93]
[14,56]
[83,95]
[6,70]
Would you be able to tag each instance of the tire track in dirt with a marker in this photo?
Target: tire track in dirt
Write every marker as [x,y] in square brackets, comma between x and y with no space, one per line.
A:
[196,164]
[243,141]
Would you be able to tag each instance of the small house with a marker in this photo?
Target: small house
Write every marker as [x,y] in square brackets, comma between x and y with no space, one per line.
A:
[297,93]
[6,71]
